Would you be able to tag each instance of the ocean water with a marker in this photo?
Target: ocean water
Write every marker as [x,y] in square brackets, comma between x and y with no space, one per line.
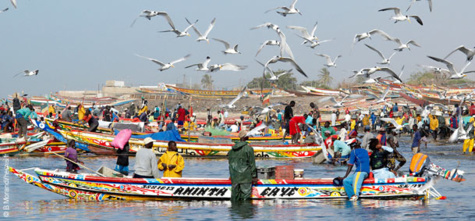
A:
[27,202]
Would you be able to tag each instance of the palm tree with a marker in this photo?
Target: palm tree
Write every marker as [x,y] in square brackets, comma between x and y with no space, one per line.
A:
[207,82]
[324,77]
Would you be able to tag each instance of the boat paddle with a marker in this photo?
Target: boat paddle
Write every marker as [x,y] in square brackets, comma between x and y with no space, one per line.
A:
[87,168]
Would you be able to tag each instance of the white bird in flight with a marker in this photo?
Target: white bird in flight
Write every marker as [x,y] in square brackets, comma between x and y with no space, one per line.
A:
[450,66]
[178,32]
[231,105]
[287,10]
[201,66]
[317,43]
[435,69]
[165,66]
[204,37]
[229,49]
[385,60]
[276,59]
[149,14]
[365,35]
[470,53]
[273,76]
[403,46]
[226,67]
[382,99]
[308,37]
[284,47]
[413,1]
[28,73]
[329,63]
[268,42]
[400,17]
[13,3]
[393,122]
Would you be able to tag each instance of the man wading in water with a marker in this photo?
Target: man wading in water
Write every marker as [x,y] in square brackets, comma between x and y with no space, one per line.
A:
[242,168]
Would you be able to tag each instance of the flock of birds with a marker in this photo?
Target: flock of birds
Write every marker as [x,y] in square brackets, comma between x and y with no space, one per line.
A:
[309,39]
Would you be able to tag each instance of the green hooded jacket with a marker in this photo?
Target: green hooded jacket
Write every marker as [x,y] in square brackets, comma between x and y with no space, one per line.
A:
[242,164]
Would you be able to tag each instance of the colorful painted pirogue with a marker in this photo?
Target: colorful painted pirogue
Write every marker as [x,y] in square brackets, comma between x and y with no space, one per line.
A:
[103,141]
[68,126]
[91,187]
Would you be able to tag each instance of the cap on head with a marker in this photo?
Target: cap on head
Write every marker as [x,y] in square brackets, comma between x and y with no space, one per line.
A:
[147,140]
[242,134]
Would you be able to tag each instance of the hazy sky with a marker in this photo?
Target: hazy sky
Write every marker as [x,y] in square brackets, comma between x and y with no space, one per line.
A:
[79,45]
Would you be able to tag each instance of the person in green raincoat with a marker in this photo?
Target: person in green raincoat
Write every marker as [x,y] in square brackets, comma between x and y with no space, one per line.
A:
[242,168]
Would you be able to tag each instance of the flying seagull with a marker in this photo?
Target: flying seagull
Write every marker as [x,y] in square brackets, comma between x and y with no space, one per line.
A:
[385,60]
[413,1]
[450,66]
[231,105]
[178,32]
[204,37]
[229,49]
[273,76]
[268,42]
[165,66]
[28,73]
[13,3]
[470,53]
[329,63]
[226,67]
[284,48]
[201,66]
[276,59]
[308,37]
[149,14]
[4,10]
[365,35]
[435,69]
[382,99]
[287,10]
[317,43]
[400,17]
[403,46]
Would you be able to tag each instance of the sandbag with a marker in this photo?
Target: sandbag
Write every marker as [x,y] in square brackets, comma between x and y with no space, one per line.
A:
[121,139]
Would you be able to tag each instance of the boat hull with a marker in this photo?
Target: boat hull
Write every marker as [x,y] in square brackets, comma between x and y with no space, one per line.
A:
[94,188]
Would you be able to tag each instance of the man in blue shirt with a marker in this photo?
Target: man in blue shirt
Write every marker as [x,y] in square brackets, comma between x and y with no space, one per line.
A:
[352,183]
[22,117]
[342,150]
[416,142]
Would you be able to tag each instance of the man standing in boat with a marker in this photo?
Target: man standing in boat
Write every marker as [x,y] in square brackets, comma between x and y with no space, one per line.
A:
[146,161]
[242,169]
[352,183]
[171,162]
[288,114]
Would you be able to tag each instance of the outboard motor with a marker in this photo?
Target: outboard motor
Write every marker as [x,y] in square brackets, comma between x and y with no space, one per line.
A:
[422,166]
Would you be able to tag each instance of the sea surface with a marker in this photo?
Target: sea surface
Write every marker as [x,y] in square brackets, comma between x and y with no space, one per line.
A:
[27,202]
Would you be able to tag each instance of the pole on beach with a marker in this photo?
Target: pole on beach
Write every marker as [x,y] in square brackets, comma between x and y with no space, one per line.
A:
[87,168]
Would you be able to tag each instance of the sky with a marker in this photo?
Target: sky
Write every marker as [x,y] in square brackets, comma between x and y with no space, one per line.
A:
[78,45]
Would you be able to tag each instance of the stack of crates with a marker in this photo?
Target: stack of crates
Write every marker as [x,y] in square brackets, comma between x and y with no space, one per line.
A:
[284,172]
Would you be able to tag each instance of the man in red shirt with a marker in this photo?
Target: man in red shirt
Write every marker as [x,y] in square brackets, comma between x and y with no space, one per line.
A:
[181,116]
[294,129]
[472,109]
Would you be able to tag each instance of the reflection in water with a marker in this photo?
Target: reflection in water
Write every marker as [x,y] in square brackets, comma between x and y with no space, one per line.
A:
[242,210]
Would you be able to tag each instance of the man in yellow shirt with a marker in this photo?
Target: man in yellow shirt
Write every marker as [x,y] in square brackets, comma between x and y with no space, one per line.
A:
[171,163]
[81,112]
[51,111]
[434,126]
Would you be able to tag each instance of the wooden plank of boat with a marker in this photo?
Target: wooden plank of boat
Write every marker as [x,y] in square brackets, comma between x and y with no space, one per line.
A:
[89,187]
[194,149]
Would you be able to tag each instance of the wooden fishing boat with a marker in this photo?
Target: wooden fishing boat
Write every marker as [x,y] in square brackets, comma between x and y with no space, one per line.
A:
[103,141]
[68,126]
[11,148]
[213,93]
[91,187]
